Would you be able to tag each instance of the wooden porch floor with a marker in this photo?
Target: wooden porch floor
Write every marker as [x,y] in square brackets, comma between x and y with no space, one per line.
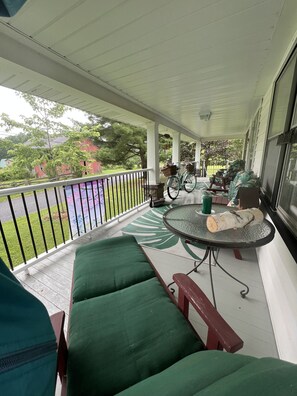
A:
[50,281]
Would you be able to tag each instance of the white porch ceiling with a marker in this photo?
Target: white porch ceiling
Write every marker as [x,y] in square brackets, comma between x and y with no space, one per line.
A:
[158,60]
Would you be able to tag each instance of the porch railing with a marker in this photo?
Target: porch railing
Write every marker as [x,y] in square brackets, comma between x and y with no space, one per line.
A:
[38,220]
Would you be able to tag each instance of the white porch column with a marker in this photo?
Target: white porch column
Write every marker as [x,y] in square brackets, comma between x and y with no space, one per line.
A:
[198,153]
[176,147]
[153,152]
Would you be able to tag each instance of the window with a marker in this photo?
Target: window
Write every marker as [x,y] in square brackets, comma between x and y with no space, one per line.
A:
[279,177]
[280,121]
[288,193]
[288,197]
[281,101]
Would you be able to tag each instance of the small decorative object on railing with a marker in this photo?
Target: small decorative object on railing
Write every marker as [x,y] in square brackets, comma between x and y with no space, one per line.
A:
[169,170]
[234,219]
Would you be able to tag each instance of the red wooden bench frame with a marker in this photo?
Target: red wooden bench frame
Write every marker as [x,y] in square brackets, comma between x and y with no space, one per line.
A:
[220,335]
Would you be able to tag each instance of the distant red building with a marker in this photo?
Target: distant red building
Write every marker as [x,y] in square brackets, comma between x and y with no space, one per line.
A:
[91,167]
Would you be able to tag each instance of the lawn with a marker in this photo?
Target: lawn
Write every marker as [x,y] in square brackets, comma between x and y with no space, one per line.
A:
[26,242]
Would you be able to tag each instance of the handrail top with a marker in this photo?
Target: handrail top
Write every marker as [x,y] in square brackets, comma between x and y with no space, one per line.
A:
[67,182]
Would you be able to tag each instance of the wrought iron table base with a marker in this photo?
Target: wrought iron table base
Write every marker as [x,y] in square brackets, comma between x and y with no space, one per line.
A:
[210,252]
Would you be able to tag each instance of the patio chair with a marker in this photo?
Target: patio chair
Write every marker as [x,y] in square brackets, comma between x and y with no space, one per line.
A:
[222,178]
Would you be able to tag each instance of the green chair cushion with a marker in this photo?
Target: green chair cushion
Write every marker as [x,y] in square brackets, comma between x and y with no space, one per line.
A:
[216,373]
[121,338]
[108,265]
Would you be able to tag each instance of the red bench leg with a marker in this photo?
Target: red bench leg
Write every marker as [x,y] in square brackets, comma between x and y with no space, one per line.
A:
[237,254]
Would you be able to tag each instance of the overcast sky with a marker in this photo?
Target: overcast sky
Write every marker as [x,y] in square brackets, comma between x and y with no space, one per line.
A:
[14,106]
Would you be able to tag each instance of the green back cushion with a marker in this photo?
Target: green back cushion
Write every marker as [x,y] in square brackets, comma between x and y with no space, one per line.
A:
[25,326]
[121,338]
[105,266]
[216,373]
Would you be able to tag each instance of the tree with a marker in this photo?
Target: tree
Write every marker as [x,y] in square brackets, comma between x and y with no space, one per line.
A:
[44,123]
[124,144]
[236,149]
[8,142]
[71,153]
[24,158]
[217,152]
[165,143]
[120,144]
[41,129]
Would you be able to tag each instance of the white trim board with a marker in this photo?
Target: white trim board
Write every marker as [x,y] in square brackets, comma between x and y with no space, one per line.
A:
[279,275]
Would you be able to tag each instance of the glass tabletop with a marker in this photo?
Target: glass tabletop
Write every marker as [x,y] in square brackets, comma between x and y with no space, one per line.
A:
[188,221]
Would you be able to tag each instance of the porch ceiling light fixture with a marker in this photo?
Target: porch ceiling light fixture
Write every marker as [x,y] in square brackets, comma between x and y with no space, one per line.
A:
[205,115]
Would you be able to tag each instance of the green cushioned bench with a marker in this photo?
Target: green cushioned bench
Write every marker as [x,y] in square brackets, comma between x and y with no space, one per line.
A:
[128,335]
[215,373]
[130,340]
[109,265]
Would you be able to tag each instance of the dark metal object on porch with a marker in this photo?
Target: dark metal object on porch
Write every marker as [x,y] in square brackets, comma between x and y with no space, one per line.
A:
[156,190]
[157,202]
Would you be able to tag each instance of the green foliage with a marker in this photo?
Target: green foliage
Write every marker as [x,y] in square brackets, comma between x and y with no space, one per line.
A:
[123,144]
[108,171]
[5,175]
[187,151]
[43,123]
[13,173]
[221,151]
[23,159]
[69,153]
[214,151]
[120,144]
[165,143]
[7,144]
[36,145]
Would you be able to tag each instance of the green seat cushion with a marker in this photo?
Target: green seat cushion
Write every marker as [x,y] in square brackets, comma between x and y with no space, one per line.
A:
[105,266]
[121,338]
[216,373]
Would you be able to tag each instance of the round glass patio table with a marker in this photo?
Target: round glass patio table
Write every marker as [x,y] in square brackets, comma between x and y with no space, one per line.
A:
[188,221]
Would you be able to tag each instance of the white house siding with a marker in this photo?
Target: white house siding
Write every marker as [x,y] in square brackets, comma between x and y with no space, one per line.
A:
[278,267]
[279,275]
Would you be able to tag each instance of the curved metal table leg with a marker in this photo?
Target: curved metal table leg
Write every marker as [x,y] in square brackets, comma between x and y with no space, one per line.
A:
[211,279]
[206,254]
[242,292]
